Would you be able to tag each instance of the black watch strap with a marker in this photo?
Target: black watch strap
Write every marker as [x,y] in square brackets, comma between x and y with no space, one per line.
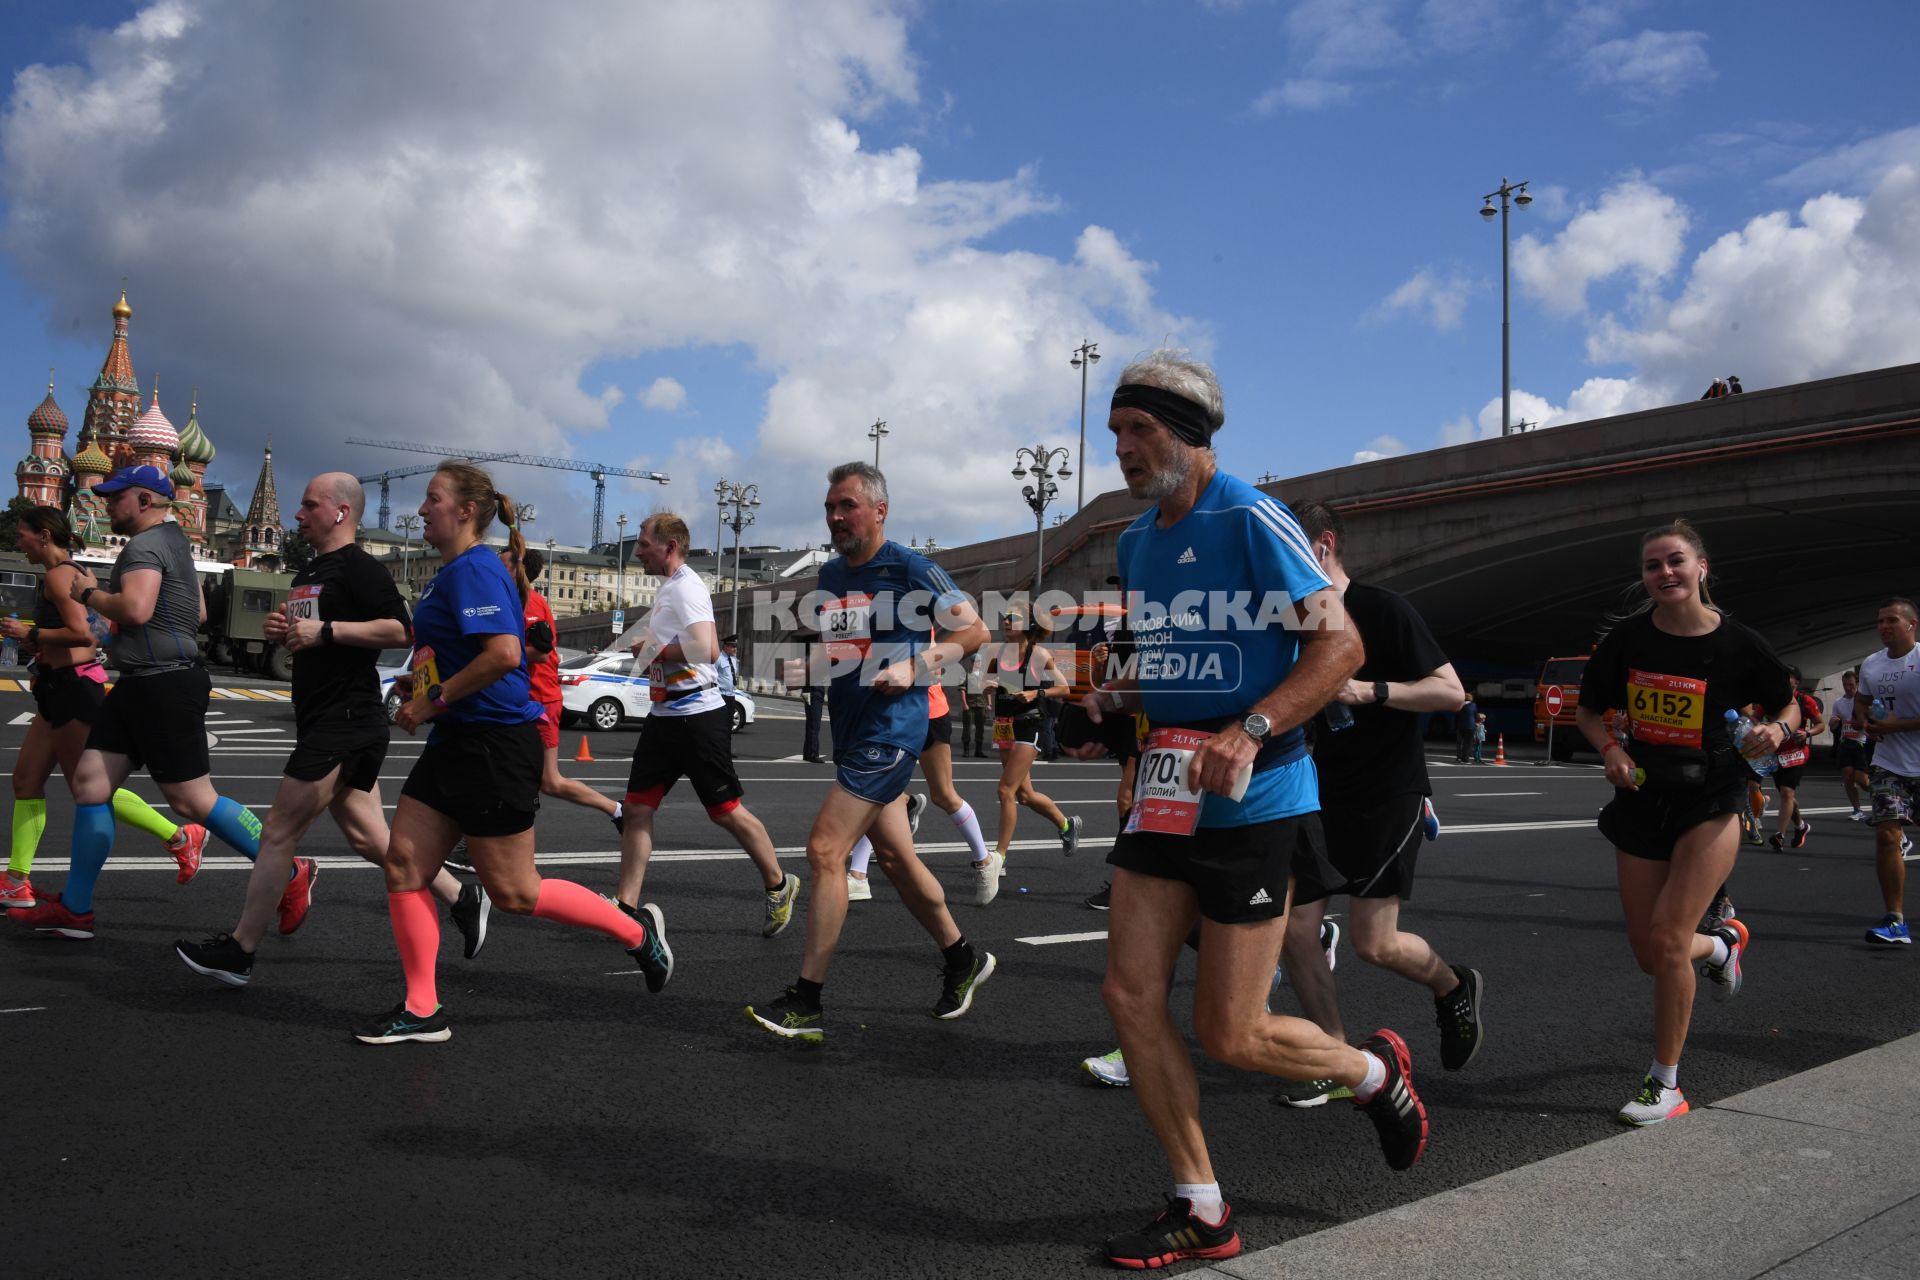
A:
[1380,692]
[326,632]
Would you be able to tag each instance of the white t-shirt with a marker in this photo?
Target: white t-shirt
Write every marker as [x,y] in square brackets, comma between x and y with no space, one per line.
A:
[1842,710]
[1896,682]
[681,688]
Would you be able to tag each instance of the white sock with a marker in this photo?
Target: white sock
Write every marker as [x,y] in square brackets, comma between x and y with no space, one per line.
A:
[1205,1198]
[862,854]
[1667,1073]
[1375,1081]
[969,825]
[619,811]
[1720,950]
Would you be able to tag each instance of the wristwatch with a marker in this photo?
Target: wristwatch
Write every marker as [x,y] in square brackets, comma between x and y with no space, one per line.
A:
[1257,727]
[433,696]
[84,595]
[1380,692]
[326,633]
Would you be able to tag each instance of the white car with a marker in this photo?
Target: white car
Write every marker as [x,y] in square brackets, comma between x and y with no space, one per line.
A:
[605,690]
[397,662]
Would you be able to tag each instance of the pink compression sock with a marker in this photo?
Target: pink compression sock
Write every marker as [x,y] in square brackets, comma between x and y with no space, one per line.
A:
[416,932]
[565,902]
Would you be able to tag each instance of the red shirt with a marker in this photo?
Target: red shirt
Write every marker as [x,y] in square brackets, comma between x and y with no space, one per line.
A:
[545,672]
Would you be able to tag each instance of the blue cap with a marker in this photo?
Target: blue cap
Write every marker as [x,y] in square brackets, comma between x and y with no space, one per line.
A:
[137,478]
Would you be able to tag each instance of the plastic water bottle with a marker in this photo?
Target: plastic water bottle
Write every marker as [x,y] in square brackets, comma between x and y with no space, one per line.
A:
[1739,727]
[1339,716]
[1877,710]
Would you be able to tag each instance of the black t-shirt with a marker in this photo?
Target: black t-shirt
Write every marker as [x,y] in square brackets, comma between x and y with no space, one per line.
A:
[1381,755]
[336,684]
[1676,691]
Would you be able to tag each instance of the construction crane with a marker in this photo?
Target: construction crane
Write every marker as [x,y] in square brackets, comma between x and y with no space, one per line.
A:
[401,473]
[598,470]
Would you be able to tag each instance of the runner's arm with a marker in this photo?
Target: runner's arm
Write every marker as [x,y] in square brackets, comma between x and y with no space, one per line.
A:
[499,654]
[379,633]
[1438,690]
[133,604]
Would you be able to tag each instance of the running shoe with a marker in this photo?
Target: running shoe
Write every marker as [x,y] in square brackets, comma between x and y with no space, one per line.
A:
[986,879]
[619,817]
[1906,849]
[1462,1031]
[1396,1110]
[787,1015]
[1859,815]
[916,805]
[653,955]
[1655,1102]
[17,893]
[1330,942]
[1108,1068]
[1751,826]
[1070,837]
[1801,830]
[1717,915]
[186,846]
[458,859]
[1778,842]
[470,912]
[780,905]
[397,1025]
[1429,820]
[859,888]
[1310,1093]
[1890,932]
[1725,976]
[958,985]
[1103,900]
[50,916]
[297,898]
[1176,1234]
[218,957]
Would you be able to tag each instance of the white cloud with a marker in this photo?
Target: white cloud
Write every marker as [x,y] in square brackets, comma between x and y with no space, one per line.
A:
[1337,36]
[1636,228]
[1380,447]
[458,231]
[1857,167]
[1438,299]
[1303,95]
[664,396]
[1652,66]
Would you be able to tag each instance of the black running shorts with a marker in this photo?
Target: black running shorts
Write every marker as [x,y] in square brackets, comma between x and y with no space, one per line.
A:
[1789,777]
[62,695]
[484,777]
[939,732]
[159,722]
[358,757]
[1241,875]
[1854,755]
[1647,823]
[1373,847]
[698,748]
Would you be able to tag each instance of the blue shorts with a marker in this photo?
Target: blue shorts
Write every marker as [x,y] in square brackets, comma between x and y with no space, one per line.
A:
[878,775]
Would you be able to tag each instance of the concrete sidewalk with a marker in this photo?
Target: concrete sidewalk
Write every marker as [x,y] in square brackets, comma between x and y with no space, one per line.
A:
[1814,1175]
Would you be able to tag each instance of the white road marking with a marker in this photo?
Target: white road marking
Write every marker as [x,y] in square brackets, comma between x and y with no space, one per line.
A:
[1051,939]
[25,717]
[1471,795]
[38,1008]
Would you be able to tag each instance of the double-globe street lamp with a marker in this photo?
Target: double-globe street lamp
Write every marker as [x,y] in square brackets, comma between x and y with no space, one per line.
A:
[1085,356]
[742,498]
[874,433]
[1517,191]
[1044,466]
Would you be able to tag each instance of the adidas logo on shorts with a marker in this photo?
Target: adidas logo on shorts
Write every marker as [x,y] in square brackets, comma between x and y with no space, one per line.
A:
[1187,557]
[1260,898]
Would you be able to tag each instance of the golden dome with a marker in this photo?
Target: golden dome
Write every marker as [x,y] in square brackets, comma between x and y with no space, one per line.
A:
[120,309]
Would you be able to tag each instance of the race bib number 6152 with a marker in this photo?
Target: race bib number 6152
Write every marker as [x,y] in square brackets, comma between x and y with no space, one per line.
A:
[1666,710]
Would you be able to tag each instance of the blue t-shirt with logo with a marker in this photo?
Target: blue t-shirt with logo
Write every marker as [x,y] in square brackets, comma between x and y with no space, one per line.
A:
[1210,640]
[470,599]
[884,611]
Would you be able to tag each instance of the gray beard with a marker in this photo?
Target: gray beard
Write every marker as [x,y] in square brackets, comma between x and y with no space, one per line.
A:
[1161,484]
[846,543]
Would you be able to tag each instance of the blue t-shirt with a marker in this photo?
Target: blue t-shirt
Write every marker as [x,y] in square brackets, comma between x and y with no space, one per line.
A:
[885,611]
[468,600]
[1210,640]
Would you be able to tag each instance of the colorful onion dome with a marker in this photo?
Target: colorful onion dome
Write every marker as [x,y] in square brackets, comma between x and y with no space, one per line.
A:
[47,420]
[194,445]
[182,477]
[153,433]
[92,461]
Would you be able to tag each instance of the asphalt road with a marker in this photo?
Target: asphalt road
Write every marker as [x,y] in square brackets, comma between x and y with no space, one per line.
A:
[167,1126]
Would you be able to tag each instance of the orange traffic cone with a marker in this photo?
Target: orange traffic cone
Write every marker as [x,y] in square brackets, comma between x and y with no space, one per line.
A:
[585,754]
[1499,749]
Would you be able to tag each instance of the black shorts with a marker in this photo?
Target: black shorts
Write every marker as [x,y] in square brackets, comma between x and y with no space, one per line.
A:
[1789,777]
[159,722]
[357,756]
[1025,730]
[62,695]
[485,777]
[1854,755]
[698,748]
[1374,848]
[1240,874]
[1647,823]
[939,732]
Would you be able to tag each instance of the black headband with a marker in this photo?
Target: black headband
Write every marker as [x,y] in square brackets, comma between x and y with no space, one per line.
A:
[1183,417]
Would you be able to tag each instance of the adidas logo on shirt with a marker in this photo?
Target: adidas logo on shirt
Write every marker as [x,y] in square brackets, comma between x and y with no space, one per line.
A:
[1187,557]
[1259,899]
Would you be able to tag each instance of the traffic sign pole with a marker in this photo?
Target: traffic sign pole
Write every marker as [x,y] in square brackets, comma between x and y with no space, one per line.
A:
[1554,700]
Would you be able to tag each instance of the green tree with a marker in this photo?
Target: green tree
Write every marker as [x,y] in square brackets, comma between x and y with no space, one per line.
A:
[295,551]
[10,522]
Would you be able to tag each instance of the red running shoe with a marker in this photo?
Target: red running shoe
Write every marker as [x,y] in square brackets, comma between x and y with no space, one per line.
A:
[17,893]
[188,843]
[298,898]
[52,917]
[1396,1111]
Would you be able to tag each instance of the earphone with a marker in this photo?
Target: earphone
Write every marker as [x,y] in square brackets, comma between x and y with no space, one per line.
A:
[338,516]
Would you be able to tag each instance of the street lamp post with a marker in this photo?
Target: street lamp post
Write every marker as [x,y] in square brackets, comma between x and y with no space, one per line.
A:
[742,498]
[874,432]
[1085,355]
[408,523]
[1517,191]
[621,558]
[1044,465]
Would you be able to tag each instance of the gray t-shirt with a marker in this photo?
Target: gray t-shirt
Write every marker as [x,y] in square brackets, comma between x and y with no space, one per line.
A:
[170,639]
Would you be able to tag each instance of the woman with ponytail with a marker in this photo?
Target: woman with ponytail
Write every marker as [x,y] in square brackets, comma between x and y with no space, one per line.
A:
[479,776]
[69,685]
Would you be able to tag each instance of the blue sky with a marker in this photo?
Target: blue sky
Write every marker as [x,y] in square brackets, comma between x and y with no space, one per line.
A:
[720,239]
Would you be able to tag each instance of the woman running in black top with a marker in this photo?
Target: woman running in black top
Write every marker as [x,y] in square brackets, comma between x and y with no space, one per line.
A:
[1020,676]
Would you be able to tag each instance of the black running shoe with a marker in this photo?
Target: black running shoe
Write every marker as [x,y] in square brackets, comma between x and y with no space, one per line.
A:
[790,1017]
[397,1025]
[619,818]
[1177,1234]
[1801,830]
[458,859]
[218,957]
[958,985]
[470,911]
[1103,900]
[1458,1013]
[916,805]
[653,955]
[1396,1110]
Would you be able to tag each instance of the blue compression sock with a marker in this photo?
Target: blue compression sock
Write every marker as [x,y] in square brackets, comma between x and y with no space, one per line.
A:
[92,842]
[237,825]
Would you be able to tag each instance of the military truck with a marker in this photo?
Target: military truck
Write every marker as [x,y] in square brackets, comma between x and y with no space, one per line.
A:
[238,602]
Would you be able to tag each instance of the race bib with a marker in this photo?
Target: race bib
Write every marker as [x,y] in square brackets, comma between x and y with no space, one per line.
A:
[1794,756]
[657,682]
[1003,733]
[426,672]
[1161,800]
[1667,711]
[847,627]
[304,603]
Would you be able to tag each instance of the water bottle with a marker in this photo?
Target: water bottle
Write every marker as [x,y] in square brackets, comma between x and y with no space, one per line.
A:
[1877,711]
[1339,715]
[1739,727]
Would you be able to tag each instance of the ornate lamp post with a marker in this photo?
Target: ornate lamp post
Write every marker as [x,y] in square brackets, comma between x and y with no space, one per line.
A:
[1044,465]
[874,433]
[1086,355]
[621,558]
[742,498]
[408,523]
[1517,191]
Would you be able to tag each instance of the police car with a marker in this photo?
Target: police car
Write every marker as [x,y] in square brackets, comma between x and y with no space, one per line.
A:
[605,690]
